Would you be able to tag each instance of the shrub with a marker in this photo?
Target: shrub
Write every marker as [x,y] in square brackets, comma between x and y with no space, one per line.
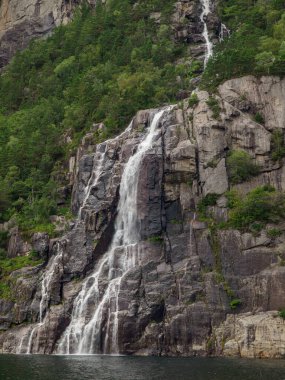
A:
[156,239]
[214,106]
[7,266]
[256,228]
[262,205]
[193,100]
[3,239]
[273,232]
[240,167]
[259,118]
[281,313]
[235,303]
[209,200]
[277,145]
[5,290]
[3,253]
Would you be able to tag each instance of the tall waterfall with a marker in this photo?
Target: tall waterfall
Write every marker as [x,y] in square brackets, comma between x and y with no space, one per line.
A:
[96,310]
[29,342]
[209,46]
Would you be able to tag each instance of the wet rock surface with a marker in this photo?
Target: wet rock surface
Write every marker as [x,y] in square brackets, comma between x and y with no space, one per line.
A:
[177,299]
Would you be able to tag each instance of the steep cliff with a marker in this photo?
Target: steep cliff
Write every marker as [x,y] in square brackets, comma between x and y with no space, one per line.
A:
[153,263]
[176,242]
[21,21]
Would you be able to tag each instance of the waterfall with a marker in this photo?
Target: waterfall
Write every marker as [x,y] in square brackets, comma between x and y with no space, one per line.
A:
[93,180]
[96,311]
[98,165]
[27,341]
[53,268]
[224,32]
[209,46]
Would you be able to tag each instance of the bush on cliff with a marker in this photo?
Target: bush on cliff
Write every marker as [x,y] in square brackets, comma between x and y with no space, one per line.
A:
[240,167]
[262,205]
[277,145]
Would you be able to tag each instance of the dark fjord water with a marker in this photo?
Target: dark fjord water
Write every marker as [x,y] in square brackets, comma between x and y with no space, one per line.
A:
[38,367]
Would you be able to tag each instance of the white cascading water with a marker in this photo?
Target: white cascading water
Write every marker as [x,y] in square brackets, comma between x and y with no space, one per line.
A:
[209,46]
[96,310]
[54,264]
[27,342]
[224,32]
[98,166]
[95,175]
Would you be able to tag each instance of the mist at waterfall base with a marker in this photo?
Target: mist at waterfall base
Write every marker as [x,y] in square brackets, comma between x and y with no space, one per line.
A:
[38,367]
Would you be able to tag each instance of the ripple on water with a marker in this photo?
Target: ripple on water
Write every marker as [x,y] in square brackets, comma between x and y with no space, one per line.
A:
[38,367]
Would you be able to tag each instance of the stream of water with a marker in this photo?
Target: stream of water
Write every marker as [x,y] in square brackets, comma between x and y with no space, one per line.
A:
[206,10]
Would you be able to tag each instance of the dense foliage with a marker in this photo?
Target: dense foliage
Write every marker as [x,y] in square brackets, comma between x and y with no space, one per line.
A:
[257,41]
[260,206]
[250,212]
[240,167]
[102,67]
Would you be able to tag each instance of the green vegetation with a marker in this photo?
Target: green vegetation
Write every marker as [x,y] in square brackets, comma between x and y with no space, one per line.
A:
[235,303]
[214,106]
[256,45]
[213,163]
[7,266]
[102,67]
[259,118]
[273,232]
[260,206]
[277,145]
[3,244]
[207,201]
[175,221]
[156,239]
[193,100]
[281,313]
[240,167]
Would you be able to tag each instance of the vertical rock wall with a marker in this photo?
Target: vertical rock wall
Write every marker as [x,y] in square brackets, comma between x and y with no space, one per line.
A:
[23,20]
[176,300]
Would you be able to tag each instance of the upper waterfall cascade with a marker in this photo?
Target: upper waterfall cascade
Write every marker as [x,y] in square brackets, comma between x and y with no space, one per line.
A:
[206,10]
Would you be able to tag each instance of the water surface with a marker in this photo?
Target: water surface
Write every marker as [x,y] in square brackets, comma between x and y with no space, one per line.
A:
[37,367]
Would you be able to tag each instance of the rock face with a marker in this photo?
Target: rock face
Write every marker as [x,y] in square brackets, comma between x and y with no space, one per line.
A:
[174,294]
[22,20]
